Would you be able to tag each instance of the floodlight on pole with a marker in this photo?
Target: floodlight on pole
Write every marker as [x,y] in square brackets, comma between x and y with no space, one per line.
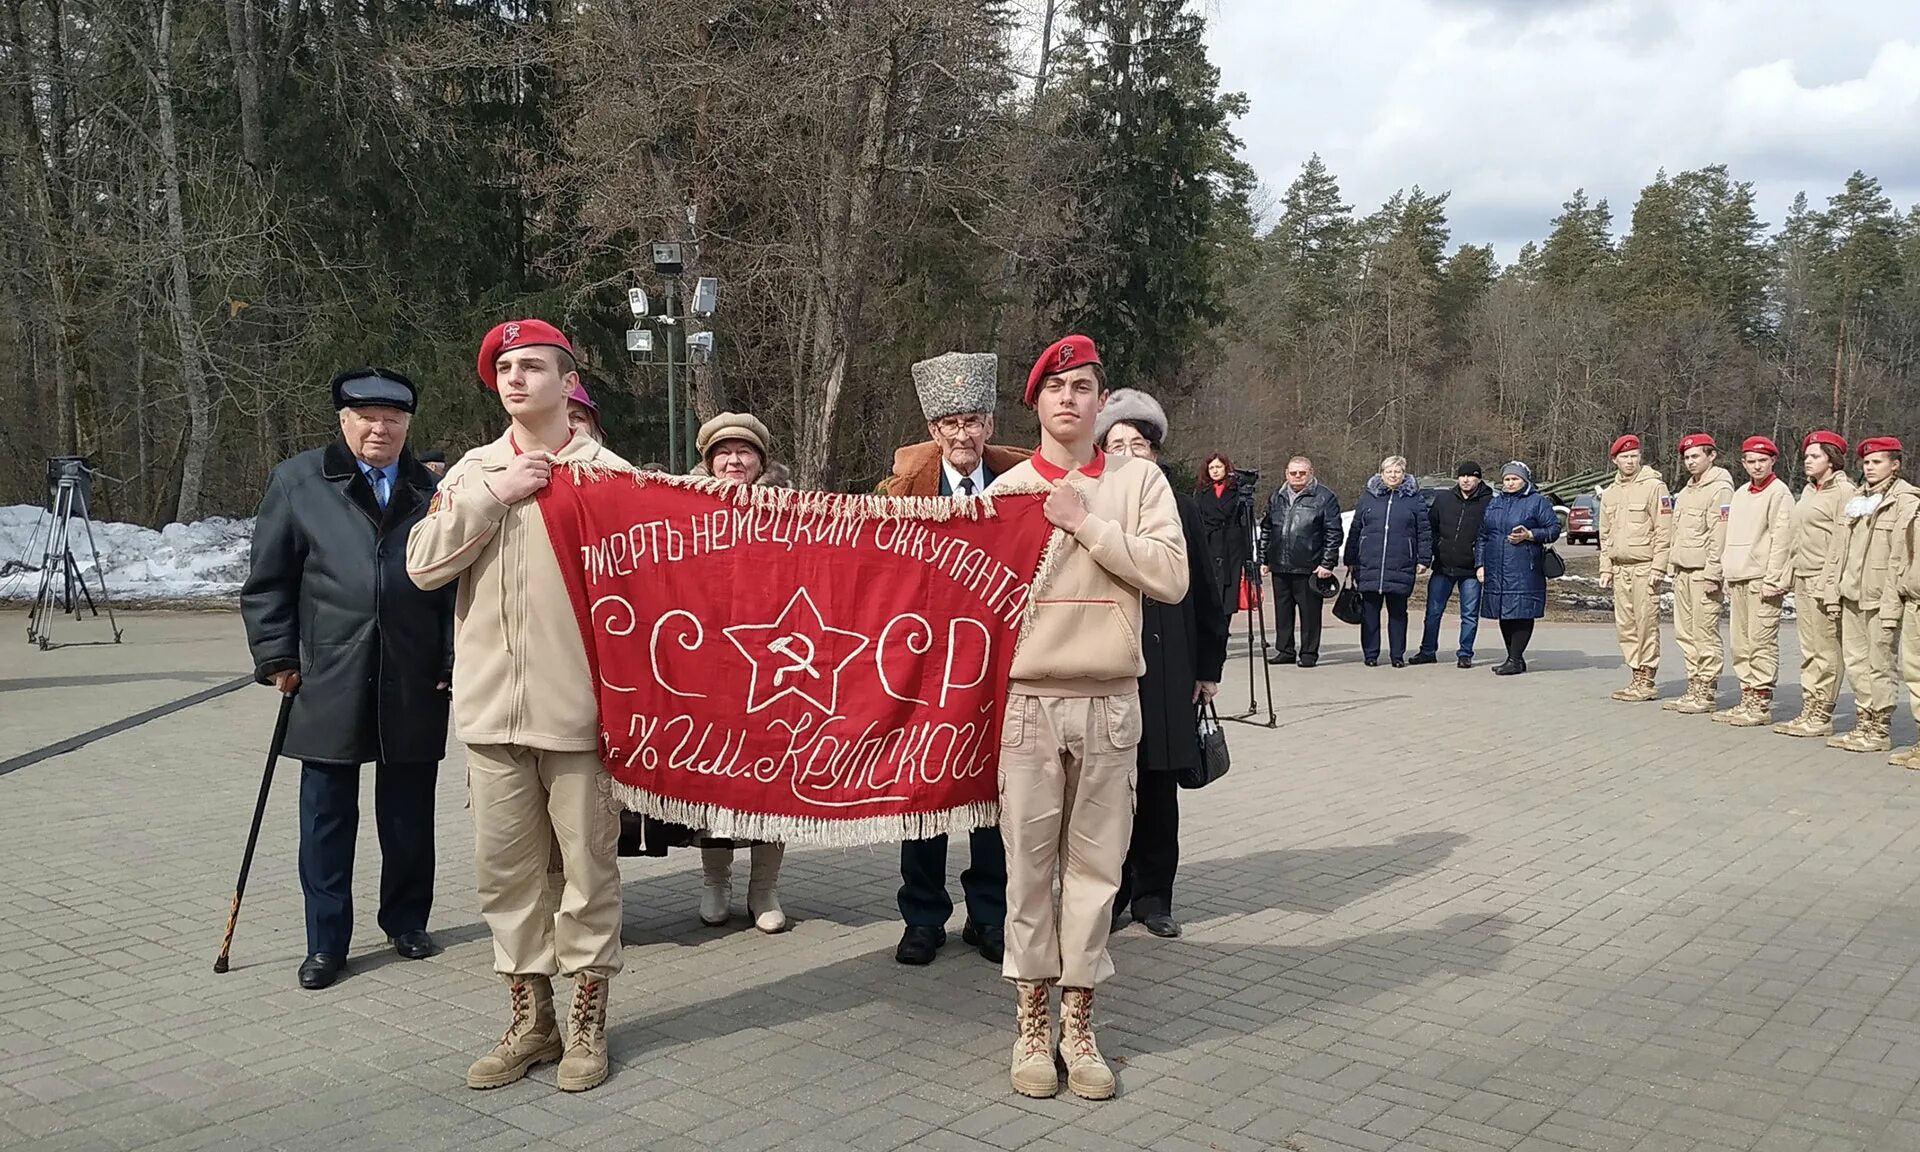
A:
[639,340]
[637,302]
[700,347]
[666,258]
[706,296]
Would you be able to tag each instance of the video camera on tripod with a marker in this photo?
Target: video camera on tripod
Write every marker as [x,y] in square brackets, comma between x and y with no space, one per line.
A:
[1246,488]
[62,585]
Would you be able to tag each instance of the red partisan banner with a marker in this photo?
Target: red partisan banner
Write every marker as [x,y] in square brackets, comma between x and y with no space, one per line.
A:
[797,666]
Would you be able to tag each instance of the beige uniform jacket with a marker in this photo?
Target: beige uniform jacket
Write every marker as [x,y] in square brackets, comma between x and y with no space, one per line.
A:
[1759,543]
[1866,563]
[1083,638]
[520,667]
[1636,521]
[1820,534]
[1700,523]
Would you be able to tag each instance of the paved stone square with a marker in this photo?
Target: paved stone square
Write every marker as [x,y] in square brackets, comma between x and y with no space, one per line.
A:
[1432,909]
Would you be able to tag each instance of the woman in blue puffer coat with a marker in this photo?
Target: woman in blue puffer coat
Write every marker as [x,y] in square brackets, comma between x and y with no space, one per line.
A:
[1511,556]
[1389,545]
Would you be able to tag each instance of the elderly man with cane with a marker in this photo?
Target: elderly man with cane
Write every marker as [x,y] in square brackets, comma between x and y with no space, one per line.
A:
[331,616]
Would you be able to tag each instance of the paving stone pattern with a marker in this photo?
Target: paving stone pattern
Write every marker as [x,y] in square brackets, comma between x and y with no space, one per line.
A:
[1433,909]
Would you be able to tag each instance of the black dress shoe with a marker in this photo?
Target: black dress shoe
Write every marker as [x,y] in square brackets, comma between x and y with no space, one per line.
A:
[990,939]
[1511,668]
[1309,661]
[919,945]
[416,945]
[1399,661]
[319,970]
[1466,661]
[1373,661]
[1424,658]
[1162,924]
[1280,658]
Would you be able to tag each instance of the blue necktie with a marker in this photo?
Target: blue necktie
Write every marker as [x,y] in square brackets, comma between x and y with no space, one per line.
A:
[380,487]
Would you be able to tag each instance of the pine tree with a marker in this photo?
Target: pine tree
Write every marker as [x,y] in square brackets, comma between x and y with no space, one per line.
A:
[1579,250]
[1464,282]
[1309,245]
[1167,194]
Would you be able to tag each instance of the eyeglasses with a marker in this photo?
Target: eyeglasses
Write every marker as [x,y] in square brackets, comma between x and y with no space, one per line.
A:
[955,425]
[1130,447]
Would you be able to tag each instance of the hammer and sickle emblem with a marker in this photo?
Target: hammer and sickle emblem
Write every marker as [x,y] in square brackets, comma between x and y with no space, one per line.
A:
[784,646]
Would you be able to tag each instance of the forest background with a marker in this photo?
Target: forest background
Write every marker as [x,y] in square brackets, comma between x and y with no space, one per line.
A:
[209,207]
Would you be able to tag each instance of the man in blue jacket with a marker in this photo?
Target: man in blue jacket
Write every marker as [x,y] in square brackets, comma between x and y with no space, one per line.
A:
[1456,515]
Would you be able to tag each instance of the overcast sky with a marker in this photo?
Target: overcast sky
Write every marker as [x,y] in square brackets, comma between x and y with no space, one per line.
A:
[1513,104]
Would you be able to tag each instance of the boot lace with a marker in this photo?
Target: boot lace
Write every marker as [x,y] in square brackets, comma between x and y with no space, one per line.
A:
[584,999]
[522,995]
[1033,1023]
[1080,1035]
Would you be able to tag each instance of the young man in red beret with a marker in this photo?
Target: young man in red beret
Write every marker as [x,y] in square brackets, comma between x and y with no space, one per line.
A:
[1636,528]
[524,705]
[1870,609]
[1067,757]
[1819,535]
[1758,565]
[1699,535]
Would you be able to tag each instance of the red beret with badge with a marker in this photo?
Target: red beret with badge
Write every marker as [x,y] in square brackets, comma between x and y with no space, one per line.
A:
[1831,439]
[1627,443]
[1697,440]
[516,334]
[1879,444]
[1062,355]
[1760,444]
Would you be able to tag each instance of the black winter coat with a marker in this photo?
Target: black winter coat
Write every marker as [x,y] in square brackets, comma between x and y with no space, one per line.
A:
[1227,522]
[328,596]
[1185,643]
[1456,526]
[1302,534]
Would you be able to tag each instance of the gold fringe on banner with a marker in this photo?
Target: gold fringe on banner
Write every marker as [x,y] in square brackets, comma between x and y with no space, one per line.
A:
[725,823]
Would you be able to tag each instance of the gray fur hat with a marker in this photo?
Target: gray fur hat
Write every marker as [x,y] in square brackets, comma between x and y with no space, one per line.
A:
[956,383]
[1132,406]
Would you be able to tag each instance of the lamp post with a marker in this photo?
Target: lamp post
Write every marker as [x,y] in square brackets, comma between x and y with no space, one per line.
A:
[681,422]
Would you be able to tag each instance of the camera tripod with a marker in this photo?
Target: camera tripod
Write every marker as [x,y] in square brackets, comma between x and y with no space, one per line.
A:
[61,584]
[1256,616]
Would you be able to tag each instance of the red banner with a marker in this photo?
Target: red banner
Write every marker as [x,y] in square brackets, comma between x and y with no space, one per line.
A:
[797,666]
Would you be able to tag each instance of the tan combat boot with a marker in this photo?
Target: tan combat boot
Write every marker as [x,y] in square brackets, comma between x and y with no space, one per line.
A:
[1869,732]
[1729,715]
[1701,701]
[1034,1073]
[585,1064]
[532,1038]
[1904,758]
[1815,719]
[1643,688]
[1087,1074]
[1759,710]
[1689,697]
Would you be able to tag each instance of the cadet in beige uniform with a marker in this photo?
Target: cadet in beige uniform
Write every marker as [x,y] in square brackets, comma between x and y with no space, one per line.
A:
[1636,526]
[1699,535]
[1067,751]
[1870,591]
[524,705]
[1758,567]
[1904,573]
[1819,533]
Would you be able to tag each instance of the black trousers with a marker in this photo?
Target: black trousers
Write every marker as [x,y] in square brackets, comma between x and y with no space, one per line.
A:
[924,902]
[1396,606]
[1153,856]
[1293,593]
[329,825]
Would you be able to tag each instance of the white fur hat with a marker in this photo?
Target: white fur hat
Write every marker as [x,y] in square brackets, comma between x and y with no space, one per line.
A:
[1132,406]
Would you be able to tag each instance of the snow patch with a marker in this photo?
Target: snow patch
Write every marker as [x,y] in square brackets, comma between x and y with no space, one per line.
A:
[201,561]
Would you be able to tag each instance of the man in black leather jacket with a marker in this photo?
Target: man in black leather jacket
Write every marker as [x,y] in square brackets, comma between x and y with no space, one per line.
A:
[1300,540]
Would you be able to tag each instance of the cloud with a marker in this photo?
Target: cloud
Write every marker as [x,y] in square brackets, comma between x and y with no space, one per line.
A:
[1513,105]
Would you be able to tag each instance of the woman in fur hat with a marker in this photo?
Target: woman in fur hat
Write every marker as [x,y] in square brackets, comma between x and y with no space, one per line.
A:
[1186,647]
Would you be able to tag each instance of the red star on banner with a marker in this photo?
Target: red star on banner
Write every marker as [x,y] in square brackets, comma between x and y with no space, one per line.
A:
[797,655]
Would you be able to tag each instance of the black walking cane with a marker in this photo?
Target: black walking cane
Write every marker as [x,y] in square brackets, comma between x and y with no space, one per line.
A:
[253,835]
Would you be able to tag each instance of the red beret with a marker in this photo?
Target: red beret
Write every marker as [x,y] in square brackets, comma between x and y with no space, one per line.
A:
[1627,443]
[1062,354]
[1880,444]
[1831,439]
[1760,444]
[1697,440]
[517,334]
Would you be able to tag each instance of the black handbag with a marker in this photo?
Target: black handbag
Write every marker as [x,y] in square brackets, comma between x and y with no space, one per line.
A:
[1214,758]
[1346,606]
[1553,564]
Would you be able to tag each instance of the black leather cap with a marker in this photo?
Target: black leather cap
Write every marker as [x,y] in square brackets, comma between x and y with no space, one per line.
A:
[373,388]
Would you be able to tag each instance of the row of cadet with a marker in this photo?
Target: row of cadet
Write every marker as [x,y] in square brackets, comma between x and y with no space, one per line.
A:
[1846,552]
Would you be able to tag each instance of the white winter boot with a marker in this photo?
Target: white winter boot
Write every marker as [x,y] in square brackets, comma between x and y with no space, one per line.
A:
[716,899]
[763,903]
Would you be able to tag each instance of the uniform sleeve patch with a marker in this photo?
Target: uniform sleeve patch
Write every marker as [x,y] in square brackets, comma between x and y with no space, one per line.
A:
[1724,508]
[1666,505]
[438,502]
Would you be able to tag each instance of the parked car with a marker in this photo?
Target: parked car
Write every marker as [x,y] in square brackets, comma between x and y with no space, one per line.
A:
[1583,519]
